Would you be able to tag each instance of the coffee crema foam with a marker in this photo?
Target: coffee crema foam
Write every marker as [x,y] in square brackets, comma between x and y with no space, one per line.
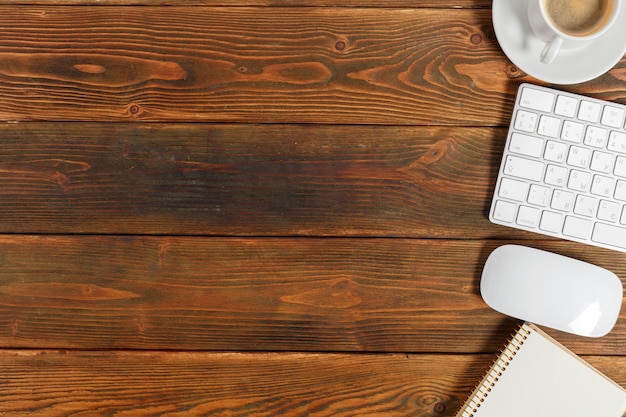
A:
[579,17]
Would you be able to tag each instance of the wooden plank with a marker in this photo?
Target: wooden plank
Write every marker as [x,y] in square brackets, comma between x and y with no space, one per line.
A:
[457,4]
[200,384]
[369,295]
[67,383]
[277,65]
[241,179]
[247,179]
[232,64]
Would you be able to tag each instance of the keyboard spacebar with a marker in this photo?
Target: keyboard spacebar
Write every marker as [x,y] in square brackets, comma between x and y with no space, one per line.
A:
[609,235]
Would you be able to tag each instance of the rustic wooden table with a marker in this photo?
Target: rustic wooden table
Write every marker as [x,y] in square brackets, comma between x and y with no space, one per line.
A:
[256,207]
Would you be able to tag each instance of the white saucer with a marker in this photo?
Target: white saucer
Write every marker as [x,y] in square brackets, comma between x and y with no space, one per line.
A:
[522,47]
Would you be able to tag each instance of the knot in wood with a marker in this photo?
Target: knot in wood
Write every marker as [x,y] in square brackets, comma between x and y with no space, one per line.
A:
[476,38]
[435,153]
[134,110]
[439,408]
[514,72]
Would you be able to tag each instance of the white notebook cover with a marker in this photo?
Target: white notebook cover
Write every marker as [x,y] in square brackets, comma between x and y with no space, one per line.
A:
[537,376]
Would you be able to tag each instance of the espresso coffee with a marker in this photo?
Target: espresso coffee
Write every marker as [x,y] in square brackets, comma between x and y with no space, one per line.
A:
[578,17]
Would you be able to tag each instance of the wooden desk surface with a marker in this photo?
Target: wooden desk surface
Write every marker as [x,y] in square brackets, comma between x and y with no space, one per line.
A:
[256,207]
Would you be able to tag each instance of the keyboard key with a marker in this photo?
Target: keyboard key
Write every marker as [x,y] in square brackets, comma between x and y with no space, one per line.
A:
[578,157]
[535,99]
[603,186]
[562,200]
[579,181]
[620,167]
[504,211]
[577,227]
[525,121]
[620,191]
[602,162]
[523,168]
[539,195]
[585,206]
[609,235]
[513,189]
[556,175]
[589,111]
[551,222]
[549,126]
[572,131]
[555,151]
[609,211]
[565,106]
[528,216]
[596,136]
[612,116]
[526,145]
[617,142]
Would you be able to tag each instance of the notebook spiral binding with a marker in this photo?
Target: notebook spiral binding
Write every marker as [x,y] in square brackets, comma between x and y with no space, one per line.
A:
[493,374]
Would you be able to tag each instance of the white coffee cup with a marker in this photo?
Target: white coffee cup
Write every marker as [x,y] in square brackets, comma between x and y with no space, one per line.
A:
[569,24]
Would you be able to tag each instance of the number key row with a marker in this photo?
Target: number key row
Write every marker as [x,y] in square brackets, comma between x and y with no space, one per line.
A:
[570,131]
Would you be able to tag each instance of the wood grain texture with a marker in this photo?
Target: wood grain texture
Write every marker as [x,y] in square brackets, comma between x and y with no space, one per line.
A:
[315,65]
[247,179]
[368,295]
[441,4]
[70,384]
[278,65]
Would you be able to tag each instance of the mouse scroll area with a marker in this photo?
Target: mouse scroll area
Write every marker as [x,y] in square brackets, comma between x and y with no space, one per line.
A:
[551,290]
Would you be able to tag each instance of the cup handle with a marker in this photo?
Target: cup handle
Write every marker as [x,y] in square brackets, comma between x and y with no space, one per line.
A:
[551,49]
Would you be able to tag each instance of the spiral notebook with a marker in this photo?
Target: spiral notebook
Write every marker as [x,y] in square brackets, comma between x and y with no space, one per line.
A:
[535,375]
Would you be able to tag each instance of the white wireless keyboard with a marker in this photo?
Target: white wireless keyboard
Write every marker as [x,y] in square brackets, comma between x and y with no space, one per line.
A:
[563,171]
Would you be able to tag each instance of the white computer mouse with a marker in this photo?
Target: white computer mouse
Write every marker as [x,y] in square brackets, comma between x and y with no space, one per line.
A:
[551,290]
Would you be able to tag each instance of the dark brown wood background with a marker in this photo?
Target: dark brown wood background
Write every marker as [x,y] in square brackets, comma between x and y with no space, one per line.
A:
[256,207]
